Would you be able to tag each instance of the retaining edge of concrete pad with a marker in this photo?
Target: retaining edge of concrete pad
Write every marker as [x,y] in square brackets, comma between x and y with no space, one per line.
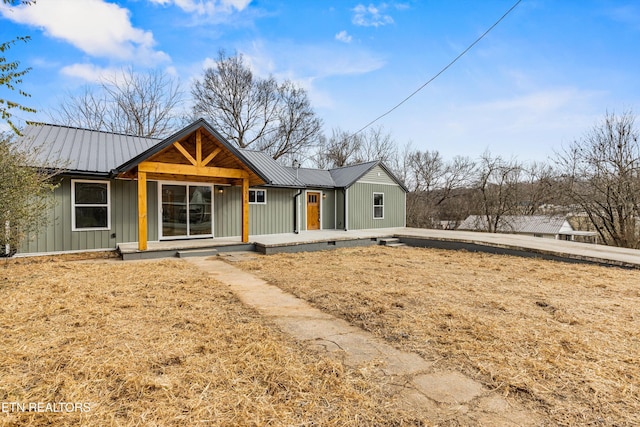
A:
[506,249]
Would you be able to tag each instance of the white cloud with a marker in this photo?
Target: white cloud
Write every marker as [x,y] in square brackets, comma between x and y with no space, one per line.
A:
[206,7]
[305,65]
[89,73]
[96,27]
[288,59]
[343,36]
[371,16]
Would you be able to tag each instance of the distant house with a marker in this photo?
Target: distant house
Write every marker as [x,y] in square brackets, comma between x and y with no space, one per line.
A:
[196,185]
[547,227]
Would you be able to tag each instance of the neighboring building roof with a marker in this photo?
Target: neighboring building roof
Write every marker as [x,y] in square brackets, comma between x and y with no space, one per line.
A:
[530,224]
[83,151]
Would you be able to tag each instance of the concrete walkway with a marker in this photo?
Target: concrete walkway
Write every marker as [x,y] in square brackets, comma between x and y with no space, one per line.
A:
[415,384]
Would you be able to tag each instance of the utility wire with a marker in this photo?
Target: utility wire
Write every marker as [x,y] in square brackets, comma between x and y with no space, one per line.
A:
[440,72]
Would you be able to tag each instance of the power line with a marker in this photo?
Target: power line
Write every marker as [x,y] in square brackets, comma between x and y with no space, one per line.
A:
[439,72]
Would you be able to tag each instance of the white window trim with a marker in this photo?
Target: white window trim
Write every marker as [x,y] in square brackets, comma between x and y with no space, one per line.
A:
[256,198]
[74,205]
[375,206]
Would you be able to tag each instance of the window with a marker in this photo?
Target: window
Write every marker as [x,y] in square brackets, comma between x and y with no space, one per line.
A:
[186,210]
[90,207]
[258,197]
[378,205]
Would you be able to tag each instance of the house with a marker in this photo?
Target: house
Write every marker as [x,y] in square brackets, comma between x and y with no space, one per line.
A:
[196,185]
[548,227]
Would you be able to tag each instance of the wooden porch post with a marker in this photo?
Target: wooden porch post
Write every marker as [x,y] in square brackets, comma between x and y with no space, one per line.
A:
[245,210]
[142,211]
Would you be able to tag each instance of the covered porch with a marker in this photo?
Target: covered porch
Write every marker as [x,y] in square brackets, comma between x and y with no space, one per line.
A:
[197,157]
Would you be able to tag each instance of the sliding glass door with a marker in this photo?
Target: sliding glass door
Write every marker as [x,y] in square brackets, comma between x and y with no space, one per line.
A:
[186,210]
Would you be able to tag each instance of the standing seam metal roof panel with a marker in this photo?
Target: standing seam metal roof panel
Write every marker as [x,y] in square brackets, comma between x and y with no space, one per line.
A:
[83,150]
[277,174]
[313,177]
[346,176]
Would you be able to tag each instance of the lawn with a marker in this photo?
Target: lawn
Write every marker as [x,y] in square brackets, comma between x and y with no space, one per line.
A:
[106,342]
[562,339]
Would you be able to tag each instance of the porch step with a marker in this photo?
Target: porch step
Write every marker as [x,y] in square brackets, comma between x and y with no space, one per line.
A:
[197,252]
[392,242]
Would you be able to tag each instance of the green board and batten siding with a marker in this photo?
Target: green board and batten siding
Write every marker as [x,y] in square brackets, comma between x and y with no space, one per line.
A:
[377,175]
[274,217]
[58,236]
[360,201]
[329,210]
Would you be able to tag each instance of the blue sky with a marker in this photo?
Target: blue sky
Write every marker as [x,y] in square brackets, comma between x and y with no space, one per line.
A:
[542,78]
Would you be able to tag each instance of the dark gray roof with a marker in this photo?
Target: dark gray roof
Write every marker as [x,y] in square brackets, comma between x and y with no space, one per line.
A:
[348,175]
[82,150]
[313,177]
[276,174]
[90,152]
[532,224]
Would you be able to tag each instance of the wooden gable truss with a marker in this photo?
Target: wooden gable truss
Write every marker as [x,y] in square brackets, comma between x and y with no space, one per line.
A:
[197,157]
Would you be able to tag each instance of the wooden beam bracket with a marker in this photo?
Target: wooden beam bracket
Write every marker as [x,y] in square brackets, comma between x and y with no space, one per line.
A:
[185,153]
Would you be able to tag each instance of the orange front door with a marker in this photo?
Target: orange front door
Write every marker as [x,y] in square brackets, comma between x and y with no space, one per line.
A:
[313,211]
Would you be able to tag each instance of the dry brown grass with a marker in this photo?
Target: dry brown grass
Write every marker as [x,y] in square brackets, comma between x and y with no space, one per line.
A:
[563,339]
[156,343]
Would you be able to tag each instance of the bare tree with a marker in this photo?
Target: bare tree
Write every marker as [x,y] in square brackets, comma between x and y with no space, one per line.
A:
[376,145]
[298,127]
[254,112]
[537,187]
[142,104]
[344,148]
[601,173]
[336,151]
[433,182]
[497,190]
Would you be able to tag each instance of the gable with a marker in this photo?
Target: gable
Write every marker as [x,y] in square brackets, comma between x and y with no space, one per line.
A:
[376,172]
[377,175]
[196,153]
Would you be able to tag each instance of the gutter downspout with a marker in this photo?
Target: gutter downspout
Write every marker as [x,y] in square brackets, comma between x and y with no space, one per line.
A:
[346,209]
[295,212]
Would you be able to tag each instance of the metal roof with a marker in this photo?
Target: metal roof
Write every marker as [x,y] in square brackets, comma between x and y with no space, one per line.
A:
[313,177]
[90,152]
[347,175]
[82,150]
[532,224]
[276,174]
